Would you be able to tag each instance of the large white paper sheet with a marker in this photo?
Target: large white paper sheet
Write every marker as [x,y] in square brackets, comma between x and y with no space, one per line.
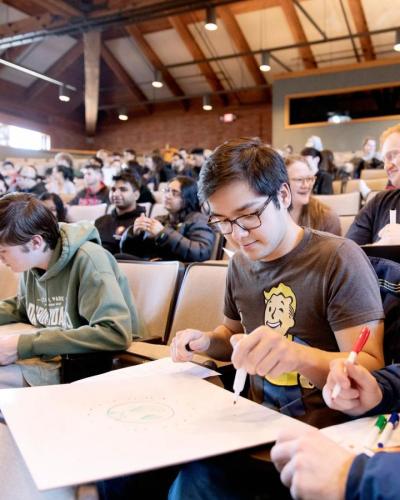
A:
[71,434]
[163,366]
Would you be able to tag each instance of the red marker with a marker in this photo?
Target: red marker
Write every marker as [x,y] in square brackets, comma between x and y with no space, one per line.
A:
[357,348]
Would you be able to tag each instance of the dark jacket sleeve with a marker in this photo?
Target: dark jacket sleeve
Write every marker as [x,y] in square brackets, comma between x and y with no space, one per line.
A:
[375,478]
[191,242]
[361,230]
[389,381]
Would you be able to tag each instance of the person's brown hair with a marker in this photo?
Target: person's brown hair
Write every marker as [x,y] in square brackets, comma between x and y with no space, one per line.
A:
[314,214]
[23,216]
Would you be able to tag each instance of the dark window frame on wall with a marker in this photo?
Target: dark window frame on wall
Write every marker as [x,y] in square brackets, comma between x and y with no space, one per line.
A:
[362,103]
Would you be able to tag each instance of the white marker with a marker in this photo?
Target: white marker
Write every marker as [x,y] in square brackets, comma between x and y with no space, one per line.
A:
[392,216]
[241,374]
[238,384]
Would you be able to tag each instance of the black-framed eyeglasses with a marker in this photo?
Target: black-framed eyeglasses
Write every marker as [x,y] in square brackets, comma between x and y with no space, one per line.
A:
[246,222]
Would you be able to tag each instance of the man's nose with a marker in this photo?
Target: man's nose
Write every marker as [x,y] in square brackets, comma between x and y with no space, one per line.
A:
[238,232]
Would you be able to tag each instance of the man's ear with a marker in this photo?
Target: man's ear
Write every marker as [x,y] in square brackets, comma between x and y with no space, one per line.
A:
[136,195]
[36,242]
[285,196]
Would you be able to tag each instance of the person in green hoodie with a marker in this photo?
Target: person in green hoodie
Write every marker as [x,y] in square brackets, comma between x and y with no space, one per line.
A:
[70,289]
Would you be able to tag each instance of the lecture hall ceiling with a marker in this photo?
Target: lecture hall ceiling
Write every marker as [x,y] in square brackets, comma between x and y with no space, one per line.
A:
[129,40]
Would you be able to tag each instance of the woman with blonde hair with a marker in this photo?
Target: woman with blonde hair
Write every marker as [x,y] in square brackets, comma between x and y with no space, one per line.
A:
[306,210]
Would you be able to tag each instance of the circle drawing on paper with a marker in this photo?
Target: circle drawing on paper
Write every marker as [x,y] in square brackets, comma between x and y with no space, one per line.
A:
[140,412]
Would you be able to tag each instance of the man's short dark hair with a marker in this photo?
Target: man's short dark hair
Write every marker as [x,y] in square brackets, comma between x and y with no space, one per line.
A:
[95,160]
[94,166]
[129,178]
[311,152]
[197,151]
[130,151]
[23,216]
[246,160]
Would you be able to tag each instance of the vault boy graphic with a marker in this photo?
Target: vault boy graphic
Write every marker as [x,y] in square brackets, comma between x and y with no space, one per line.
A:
[280,311]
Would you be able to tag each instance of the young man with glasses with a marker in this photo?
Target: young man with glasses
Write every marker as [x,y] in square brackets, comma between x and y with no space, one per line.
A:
[28,181]
[295,291]
[372,222]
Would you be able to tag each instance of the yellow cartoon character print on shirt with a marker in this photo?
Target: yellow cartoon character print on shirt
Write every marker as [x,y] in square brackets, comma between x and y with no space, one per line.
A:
[280,310]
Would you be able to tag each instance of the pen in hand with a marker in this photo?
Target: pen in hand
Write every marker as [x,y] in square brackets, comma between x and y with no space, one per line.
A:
[357,348]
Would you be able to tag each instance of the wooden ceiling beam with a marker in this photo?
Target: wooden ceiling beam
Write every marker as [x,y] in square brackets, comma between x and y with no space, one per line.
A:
[188,39]
[237,37]
[91,50]
[26,6]
[155,61]
[360,22]
[58,7]
[55,71]
[123,76]
[298,33]
[33,23]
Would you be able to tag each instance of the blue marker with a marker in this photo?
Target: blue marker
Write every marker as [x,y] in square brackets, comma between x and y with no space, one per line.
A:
[386,434]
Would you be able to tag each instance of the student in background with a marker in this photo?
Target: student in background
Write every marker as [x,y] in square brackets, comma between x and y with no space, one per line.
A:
[95,192]
[306,210]
[62,181]
[9,171]
[3,185]
[324,180]
[292,289]
[29,181]
[156,170]
[124,193]
[372,222]
[369,157]
[182,235]
[55,204]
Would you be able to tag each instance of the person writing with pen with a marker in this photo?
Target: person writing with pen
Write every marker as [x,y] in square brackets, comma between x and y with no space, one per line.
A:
[298,294]
[301,458]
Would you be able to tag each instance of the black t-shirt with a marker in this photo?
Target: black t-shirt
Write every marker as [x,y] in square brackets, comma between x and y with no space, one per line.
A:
[112,226]
[374,216]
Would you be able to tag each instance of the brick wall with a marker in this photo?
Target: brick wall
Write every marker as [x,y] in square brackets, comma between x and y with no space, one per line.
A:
[185,129]
[175,127]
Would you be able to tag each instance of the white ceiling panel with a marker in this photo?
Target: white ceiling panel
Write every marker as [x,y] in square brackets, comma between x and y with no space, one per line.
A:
[10,15]
[39,57]
[218,43]
[382,14]
[191,80]
[259,28]
[137,66]
[168,46]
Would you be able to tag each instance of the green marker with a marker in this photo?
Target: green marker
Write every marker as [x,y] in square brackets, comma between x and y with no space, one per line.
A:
[379,425]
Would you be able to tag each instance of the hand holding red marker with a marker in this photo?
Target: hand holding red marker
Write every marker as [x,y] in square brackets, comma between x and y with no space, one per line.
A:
[357,348]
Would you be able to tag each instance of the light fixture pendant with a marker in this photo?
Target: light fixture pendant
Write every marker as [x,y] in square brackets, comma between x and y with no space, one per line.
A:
[63,94]
[265,66]
[211,19]
[157,82]
[396,45]
[123,114]
[207,106]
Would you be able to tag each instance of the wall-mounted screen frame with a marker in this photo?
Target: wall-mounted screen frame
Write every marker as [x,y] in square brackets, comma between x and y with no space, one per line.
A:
[362,103]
